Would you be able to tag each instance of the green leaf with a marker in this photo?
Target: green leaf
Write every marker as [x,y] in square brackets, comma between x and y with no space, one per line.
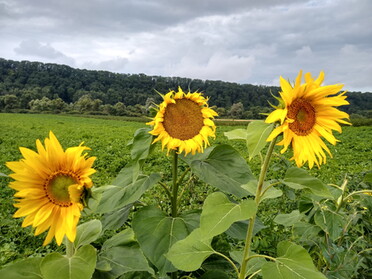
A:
[188,254]
[297,178]
[330,222]
[237,134]
[288,220]
[24,269]
[156,233]
[122,238]
[219,213]
[115,197]
[123,259]
[222,167]
[238,230]
[257,133]
[305,231]
[115,219]
[3,174]
[80,266]
[293,262]
[141,144]
[87,233]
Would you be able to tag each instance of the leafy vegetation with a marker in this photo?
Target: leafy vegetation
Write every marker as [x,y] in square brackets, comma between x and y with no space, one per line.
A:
[335,232]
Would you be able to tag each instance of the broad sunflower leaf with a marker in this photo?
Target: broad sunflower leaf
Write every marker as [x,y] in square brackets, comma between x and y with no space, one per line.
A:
[80,266]
[238,230]
[293,262]
[330,222]
[222,167]
[87,233]
[297,178]
[119,260]
[219,213]
[141,144]
[257,133]
[188,254]
[288,220]
[115,219]
[115,197]
[156,232]
[24,269]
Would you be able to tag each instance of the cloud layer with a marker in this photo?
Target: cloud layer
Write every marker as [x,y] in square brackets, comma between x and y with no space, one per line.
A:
[239,41]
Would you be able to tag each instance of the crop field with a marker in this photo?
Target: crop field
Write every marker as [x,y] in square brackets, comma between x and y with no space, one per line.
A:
[108,139]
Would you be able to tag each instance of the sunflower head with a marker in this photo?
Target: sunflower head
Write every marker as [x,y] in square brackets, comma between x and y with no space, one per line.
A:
[183,122]
[50,185]
[306,114]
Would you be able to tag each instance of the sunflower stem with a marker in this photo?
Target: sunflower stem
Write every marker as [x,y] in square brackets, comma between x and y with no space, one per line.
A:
[174,194]
[257,199]
[175,184]
[70,250]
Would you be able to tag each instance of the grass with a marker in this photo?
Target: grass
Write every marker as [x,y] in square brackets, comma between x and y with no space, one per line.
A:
[108,140]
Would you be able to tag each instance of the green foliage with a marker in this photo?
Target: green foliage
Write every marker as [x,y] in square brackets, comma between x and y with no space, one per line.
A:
[156,232]
[329,226]
[80,266]
[292,262]
[222,167]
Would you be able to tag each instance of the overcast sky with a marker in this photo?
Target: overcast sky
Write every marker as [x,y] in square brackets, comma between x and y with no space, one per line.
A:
[244,41]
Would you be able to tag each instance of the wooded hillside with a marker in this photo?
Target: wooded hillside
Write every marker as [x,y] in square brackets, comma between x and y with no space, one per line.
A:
[23,85]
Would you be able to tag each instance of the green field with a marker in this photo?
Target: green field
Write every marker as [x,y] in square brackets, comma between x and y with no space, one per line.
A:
[108,140]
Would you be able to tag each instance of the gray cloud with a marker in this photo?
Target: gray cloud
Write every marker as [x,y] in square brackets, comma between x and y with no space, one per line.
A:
[240,41]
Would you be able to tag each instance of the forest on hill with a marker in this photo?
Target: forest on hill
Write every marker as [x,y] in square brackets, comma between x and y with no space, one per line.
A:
[42,87]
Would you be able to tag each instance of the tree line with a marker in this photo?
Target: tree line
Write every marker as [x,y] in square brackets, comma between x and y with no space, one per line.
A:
[44,87]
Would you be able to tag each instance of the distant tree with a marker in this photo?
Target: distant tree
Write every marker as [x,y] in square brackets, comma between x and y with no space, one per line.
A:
[236,110]
[9,102]
[120,109]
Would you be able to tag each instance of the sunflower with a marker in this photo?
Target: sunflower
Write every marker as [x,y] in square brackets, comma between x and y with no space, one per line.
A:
[50,185]
[183,122]
[306,114]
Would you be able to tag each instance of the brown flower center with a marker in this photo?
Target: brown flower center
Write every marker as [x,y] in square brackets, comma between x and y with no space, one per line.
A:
[56,188]
[183,120]
[303,114]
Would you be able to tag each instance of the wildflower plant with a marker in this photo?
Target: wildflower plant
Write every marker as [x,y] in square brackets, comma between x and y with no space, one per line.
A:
[165,240]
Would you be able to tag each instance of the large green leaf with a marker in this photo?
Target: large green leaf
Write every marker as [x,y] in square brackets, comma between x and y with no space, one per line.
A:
[115,197]
[156,232]
[115,219]
[305,231]
[80,266]
[141,144]
[289,219]
[188,254]
[121,255]
[119,260]
[87,233]
[219,213]
[330,222]
[257,133]
[297,178]
[24,269]
[238,230]
[222,167]
[293,262]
